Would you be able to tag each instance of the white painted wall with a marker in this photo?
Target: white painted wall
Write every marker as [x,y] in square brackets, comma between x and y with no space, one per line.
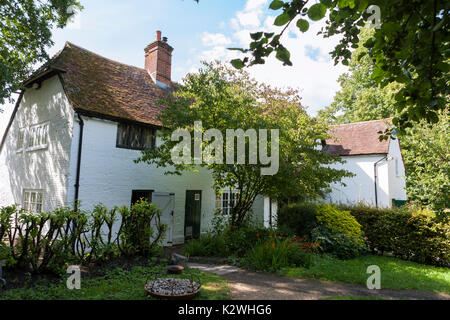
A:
[361,187]
[108,175]
[45,169]
[397,179]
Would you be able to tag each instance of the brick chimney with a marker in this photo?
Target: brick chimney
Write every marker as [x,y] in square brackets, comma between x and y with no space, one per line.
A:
[158,61]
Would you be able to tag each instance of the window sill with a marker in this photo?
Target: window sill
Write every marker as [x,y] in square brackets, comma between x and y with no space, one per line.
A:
[36,148]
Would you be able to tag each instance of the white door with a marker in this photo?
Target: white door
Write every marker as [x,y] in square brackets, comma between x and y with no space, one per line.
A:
[166,202]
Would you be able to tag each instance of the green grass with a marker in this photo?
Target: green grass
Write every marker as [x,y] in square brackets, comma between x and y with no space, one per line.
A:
[395,273]
[116,284]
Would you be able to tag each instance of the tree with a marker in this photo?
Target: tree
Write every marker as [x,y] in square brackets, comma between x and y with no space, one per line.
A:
[427,159]
[425,147]
[224,98]
[361,98]
[25,28]
[411,46]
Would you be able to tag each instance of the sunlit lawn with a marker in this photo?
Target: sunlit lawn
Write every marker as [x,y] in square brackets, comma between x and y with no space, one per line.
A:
[395,273]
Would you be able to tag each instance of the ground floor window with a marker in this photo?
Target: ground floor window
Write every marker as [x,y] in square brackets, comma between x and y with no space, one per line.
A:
[32,201]
[137,195]
[226,200]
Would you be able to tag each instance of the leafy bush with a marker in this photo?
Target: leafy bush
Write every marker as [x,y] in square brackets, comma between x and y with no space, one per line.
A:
[49,241]
[336,231]
[207,245]
[409,234]
[275,255]
[298,218]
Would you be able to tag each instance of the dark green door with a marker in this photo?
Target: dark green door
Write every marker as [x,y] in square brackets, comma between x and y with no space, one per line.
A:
[193,214]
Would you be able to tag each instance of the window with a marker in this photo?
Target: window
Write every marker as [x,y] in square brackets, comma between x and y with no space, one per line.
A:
[397,167]
[227,200]
[38,137]
[20,139]
[135,137]
[32,201]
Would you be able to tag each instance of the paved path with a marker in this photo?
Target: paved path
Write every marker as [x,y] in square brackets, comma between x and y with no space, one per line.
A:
[247,285]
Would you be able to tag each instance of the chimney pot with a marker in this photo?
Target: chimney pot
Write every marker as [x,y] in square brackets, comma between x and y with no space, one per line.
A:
[158,35]
[164,39]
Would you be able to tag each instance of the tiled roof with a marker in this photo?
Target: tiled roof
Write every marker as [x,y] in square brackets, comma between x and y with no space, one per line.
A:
[99,86]
[358,138]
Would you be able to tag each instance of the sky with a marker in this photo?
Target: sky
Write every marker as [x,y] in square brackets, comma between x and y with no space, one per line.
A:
[120,30]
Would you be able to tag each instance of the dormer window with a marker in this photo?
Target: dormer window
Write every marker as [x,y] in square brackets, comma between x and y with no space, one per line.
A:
[135,137]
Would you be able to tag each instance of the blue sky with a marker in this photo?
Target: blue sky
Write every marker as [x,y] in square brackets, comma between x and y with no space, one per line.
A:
[120,30]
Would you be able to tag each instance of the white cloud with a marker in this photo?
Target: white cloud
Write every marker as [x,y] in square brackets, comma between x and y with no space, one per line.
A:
[313,71]
[215,39]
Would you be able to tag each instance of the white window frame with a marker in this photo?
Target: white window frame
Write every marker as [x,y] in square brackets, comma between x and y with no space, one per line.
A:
[33,200]
[22,132]
[38,132]
[226,200]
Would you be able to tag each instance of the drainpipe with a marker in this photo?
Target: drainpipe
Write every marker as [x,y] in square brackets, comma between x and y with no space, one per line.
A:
[80,147]
[375,177]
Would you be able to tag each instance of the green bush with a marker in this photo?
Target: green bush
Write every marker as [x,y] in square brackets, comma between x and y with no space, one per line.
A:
[207,245]
[298,218]
[48,241]
[336,231]
[276,255]
[409,234]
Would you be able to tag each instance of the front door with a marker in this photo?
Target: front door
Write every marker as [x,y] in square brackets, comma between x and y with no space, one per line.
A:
[166,203]
[193,214]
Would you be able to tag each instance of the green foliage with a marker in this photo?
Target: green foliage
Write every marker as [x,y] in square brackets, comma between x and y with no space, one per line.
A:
[207,245]
[361,98]
[336,231]
[223,98]
[408,234]
[26,30]
[50,241]
[275,255]
[409,47]
[426,150]
[298,218]
[140,224]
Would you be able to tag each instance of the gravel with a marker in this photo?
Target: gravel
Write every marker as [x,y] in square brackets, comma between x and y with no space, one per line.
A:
[173,287]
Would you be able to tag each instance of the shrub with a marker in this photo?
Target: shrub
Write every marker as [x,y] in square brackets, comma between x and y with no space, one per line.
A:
[409,234]
[274,255]
[336,231]
[298,218]
[49,241]
[207,245]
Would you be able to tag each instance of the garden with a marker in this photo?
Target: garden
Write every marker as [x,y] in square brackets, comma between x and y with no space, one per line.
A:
[117,250]
[337,243]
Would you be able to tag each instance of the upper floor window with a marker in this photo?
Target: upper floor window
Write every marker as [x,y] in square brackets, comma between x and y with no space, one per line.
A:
[227,200]
[135,137]
[21,139]
[37,137]
[32,201]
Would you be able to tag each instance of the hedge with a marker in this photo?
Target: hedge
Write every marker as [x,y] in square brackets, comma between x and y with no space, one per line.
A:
[407,233]
[49,241]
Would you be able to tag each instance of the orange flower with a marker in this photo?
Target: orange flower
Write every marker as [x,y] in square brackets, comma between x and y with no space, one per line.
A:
[273,245]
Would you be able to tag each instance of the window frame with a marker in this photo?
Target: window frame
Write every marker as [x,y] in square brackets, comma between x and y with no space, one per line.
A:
[226,210]
[33,204]
[36,132]
[23,131]
[141,127]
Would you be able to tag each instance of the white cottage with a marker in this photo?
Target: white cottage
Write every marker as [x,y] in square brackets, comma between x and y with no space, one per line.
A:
[78,126]
[378,166]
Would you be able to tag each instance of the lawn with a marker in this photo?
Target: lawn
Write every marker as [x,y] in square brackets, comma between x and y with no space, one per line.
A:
[395,273]
[114,284]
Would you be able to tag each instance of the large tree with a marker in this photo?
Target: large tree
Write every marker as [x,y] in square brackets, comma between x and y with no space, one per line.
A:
[361,98]
[26,31]
[411,46]
[425,147]
[224,98]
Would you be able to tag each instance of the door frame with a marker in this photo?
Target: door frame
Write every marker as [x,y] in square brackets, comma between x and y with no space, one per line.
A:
[194,235]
